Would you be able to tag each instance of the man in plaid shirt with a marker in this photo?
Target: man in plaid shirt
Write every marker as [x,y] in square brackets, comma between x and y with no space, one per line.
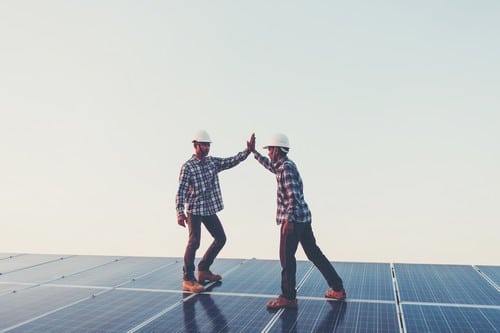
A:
[200,196]
[294,216]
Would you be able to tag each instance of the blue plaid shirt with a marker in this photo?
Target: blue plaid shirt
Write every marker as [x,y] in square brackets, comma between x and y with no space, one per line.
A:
[291,204]
[199,189]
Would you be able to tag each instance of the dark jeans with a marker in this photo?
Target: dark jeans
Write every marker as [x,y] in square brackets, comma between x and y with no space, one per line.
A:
[215,229]
[290,238]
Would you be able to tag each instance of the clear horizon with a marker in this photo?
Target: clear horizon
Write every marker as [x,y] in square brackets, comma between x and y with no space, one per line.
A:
[392,111]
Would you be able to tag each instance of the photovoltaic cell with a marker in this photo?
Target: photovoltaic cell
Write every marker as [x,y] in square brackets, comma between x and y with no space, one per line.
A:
[56,269]
[371,281]
[113,311]
[7,255]
[444,284]
[258,276]
[10,287]
[492,272]
[26,304]
[214,313]
[327,316]
[170,277]
[14,263]
[116,272]
[432,318]
[166,277]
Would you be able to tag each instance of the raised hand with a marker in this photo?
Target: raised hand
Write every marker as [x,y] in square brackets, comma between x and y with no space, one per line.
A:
[251,143]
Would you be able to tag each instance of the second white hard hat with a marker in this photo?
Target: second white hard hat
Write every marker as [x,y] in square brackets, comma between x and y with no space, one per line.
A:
[278,140]
[201,136]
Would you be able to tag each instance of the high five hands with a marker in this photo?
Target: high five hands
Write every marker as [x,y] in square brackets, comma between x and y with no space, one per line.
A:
[251,143]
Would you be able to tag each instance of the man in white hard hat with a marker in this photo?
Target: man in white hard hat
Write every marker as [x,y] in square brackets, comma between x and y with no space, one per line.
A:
[294,216]
[200,198]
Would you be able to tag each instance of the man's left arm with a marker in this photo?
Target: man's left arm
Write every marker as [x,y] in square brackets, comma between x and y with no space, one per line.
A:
[291,191]
[230,162]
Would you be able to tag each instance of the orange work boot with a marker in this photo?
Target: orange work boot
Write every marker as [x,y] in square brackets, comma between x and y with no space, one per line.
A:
[282,302]
[192,286]
[208,276]
[336,295]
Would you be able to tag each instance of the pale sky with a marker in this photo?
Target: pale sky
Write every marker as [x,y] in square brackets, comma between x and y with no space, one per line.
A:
[392,109]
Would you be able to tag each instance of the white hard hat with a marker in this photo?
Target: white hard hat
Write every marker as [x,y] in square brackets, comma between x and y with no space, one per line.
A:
[201,136]
[278,140]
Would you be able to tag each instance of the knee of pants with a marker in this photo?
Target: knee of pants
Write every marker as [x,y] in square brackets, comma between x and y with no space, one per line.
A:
[194,244]
[221,241]
[313,254]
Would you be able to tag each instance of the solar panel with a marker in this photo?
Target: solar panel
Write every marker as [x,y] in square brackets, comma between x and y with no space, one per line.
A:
[18,307]
[259,276]
[10,264]
[454,284]
[58,269]
[116,272]
[432,318]
[6,287]
[113,311]
[492,273]
[213,313]
[325,316]
[371,281]
[169,277]
[142,294]
[7,255]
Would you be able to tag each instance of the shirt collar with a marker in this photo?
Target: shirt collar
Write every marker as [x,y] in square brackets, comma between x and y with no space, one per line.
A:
[280,162]
[195,159]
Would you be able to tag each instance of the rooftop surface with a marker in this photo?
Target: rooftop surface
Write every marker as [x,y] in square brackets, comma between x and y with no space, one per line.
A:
[77,293]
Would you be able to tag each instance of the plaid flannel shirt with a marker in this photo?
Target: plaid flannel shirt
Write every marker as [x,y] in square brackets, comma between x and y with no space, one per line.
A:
[291,204]
[199,189]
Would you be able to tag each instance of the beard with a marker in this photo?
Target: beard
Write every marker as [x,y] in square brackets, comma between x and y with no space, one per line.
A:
[204,153]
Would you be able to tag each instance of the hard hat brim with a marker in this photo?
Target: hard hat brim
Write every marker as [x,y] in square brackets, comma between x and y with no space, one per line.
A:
[269,146]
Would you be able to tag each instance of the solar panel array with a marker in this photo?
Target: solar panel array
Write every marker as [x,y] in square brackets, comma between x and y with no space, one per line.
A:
[50,293]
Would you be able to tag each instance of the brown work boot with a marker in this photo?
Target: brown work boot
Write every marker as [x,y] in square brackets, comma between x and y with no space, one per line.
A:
[208,276]
[336,295]
[192,286]
[282,302]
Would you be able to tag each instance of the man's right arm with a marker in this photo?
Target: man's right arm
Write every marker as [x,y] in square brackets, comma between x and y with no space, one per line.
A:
[181,220]
[182,195]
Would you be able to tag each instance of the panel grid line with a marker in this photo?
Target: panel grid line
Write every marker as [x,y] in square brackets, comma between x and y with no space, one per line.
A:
[399,309]
[454,305]
[486,277]
[36,265]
